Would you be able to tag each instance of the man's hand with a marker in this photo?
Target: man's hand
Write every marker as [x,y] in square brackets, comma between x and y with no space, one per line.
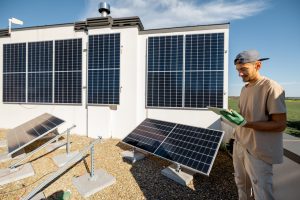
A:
[234,117]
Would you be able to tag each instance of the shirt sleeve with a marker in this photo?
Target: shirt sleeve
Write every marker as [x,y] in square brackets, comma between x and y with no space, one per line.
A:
[276,100]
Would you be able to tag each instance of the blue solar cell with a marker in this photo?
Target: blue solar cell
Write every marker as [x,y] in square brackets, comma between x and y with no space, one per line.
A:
[104,69]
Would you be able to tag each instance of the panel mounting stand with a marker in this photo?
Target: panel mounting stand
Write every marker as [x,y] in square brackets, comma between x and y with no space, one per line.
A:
[181,176]
[89,184]
[133,155]
[62,159]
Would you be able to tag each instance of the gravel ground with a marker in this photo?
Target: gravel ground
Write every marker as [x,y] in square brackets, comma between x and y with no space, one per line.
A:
[141,180]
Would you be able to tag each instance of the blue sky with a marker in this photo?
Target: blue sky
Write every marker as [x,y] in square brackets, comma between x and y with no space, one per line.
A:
[270,26]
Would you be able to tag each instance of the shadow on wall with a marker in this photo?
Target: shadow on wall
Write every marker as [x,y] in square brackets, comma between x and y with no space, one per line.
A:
[219,185]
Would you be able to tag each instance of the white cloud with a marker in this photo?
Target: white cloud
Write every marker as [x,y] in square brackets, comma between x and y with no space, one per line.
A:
[172,13]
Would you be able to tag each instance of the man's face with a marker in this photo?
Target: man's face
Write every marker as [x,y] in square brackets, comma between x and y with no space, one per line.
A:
[248,71]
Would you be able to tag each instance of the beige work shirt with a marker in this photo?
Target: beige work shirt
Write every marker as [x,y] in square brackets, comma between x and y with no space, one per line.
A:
[257,103]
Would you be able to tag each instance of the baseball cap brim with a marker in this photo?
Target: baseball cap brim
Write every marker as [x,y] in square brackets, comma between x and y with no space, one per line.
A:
[262,59]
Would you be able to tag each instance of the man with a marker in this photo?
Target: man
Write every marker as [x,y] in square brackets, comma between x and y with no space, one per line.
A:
[258,138]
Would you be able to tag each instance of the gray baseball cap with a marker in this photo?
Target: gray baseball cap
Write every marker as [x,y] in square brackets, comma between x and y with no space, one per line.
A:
[248,56]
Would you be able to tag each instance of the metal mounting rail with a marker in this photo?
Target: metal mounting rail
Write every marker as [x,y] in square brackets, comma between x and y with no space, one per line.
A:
[61,169]
[41,147]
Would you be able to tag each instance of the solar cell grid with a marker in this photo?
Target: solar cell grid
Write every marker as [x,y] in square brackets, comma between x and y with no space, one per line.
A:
[68,71]
[164,71]
[40,72]
[204,70]
[14,72]
[104,69]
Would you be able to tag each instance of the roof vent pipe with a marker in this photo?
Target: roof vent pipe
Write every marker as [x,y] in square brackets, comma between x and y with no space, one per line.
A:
[104,9]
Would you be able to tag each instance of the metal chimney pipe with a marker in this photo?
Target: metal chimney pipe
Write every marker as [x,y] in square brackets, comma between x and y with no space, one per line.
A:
[104,9]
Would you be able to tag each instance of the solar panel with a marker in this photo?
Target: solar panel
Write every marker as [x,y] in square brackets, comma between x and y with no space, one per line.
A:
[165,71]
[192,147]
[204,70]
[30,131]
[68,71]
[14,73]
[40,71]
[104,69]
[185,71]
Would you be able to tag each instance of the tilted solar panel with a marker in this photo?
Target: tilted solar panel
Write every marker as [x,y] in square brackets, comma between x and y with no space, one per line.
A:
[30,131]
[192,147]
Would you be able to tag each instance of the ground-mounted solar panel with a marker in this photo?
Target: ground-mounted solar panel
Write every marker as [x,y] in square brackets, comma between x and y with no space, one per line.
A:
[30,131]
[68,71]
[40,72]
[14,73]
[204,70]
[192,147]
[104,69]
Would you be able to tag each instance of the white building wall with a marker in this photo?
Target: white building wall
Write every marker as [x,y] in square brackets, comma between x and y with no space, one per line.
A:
[106,121]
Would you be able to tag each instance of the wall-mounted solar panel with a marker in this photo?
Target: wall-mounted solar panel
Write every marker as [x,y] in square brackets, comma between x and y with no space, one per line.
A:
[165,71]
[40,72]
[191,147]
[68,71]
[204,70]
[14,73]
[104,69]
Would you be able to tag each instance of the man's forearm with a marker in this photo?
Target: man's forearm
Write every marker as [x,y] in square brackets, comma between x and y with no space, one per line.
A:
[272,126]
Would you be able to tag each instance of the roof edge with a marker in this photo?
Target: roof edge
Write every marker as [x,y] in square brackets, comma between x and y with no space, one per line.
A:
[186,28]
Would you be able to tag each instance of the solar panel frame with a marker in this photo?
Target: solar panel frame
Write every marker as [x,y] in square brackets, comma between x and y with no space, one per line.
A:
[32,130]
[175,126]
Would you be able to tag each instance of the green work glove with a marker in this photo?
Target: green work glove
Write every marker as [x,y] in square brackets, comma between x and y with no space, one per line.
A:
[234,117]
